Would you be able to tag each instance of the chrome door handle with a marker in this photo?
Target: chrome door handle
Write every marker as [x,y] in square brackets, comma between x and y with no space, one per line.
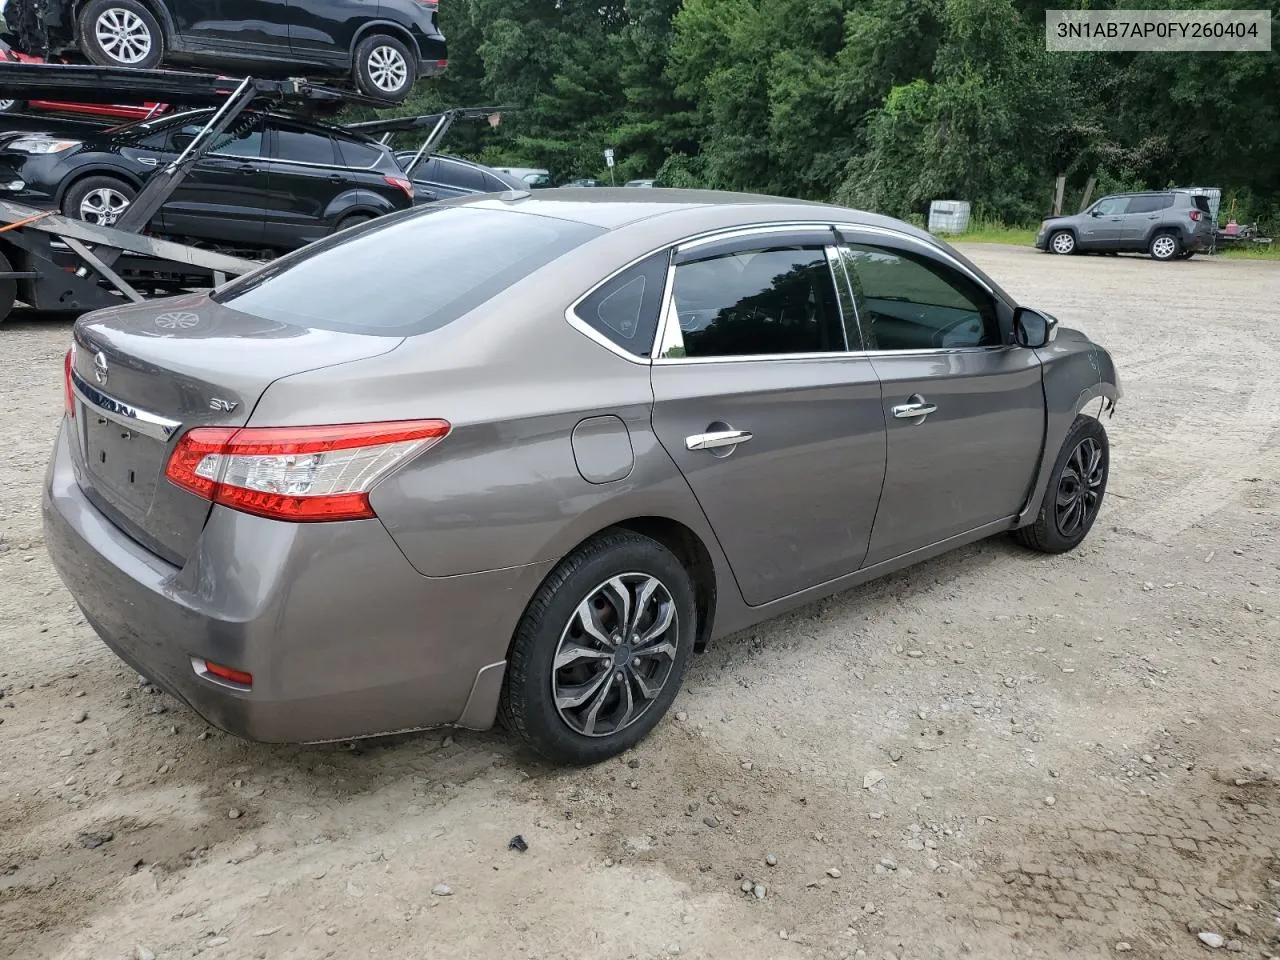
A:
[721,438]
[909,411]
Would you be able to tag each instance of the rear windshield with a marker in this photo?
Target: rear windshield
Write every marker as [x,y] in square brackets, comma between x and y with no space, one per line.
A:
[1202,203]
[406,273]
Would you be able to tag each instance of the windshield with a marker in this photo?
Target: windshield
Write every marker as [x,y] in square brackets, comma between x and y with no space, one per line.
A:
[406,273]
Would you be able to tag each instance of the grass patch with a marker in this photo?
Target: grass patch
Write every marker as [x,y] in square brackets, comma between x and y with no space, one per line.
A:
[1251,251]
[985,232]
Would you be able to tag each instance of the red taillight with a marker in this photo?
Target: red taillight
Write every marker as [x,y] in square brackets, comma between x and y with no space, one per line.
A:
[442,64]
[68,395]
[297,473]
[226,673]
[400,183]
[429,4]
[1195,214]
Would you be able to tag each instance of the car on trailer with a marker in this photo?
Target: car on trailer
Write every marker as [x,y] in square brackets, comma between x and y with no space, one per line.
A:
[384,47]
[103,111]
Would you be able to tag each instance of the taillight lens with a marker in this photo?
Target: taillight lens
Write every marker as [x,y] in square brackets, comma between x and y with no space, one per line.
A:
[400,183]
[297,473]
[1195,214]
[430,4]
[68,395]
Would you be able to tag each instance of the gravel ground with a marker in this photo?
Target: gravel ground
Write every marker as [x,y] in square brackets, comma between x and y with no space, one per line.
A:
[994,754]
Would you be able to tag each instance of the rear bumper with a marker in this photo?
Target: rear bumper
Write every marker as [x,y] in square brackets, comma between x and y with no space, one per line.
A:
[342,636]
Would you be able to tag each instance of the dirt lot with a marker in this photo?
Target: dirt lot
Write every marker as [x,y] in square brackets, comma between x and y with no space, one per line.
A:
[993,754]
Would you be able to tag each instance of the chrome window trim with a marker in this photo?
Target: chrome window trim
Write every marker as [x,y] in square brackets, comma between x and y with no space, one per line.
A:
[591,333]
[140,421]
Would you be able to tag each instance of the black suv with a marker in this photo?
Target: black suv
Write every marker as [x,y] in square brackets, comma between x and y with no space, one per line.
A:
[385,45]
[271,182]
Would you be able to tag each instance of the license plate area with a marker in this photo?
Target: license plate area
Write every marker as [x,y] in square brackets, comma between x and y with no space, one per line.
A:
[123,463]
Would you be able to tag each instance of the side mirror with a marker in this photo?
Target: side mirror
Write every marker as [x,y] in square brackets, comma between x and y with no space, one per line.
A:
[1033,329]
[1095,212]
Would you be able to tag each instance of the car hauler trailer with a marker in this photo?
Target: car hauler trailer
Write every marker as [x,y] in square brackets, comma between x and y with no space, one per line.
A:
[54,263]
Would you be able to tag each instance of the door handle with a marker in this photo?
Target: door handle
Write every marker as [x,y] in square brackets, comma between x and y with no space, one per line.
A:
[720,438]
[335,178]
[917,408]
[245,169]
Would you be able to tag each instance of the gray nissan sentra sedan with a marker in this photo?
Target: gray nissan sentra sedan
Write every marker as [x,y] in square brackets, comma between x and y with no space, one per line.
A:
[520,456]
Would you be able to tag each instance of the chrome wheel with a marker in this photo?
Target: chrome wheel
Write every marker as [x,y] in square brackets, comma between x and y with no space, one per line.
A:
[1080,487]
[1063,243]
[387,69]
[615,655]
[7,105]
[123,35]
[103,206]
[1164,247]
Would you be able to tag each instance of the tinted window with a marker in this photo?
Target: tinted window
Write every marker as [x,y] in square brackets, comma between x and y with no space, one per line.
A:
[303,147]
[763,301]
[358,155]
[907,301]
[1201,203]
[241,143]
[475,254]
[460,175]
[626,309]
[1148,204]
[246,141]
[1111,206]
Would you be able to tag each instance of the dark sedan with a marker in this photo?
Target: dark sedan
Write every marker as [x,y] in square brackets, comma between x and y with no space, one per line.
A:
[272,182]
[441,178]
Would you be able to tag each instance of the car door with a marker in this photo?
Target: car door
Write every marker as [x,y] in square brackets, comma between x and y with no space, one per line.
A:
[224,196]
[306,175]
[1103,228]
[964,411]
[1142,216]
[775,425]
[326,29]
[249,27]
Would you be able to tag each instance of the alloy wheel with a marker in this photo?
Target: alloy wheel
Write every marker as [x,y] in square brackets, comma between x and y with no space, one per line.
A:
[1080,487]
[387,69]
[615,655]
[1063,243]
[123,35]
[1163,247]
[6,105]
[103,206]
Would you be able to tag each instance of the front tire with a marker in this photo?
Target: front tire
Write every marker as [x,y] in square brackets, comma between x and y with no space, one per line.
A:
[1075,492]
[1165,246]
[601,651]
[8,289]
[120,33]
[384,68]
[100,200]
[1063,243]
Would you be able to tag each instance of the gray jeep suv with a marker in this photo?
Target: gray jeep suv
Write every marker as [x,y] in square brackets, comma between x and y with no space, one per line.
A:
[1169,225]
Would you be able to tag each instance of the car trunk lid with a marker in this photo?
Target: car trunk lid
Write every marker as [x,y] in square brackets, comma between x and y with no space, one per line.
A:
[144,375]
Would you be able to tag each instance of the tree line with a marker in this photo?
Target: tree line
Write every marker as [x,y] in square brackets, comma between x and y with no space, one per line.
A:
[880,104]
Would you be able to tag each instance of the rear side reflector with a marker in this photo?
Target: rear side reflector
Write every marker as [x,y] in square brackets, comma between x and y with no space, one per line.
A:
[226,673]
[298,473]
[68,395]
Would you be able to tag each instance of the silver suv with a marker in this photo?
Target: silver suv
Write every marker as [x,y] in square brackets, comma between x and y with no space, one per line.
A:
[1169,225]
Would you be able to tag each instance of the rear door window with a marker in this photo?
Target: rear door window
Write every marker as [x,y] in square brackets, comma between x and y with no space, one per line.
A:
[460,175]
[302,146]
[1147,204]
[474,255]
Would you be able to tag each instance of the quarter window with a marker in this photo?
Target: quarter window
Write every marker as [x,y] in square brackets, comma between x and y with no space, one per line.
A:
[908,301]
[357,155]
[757,302]
[627,307]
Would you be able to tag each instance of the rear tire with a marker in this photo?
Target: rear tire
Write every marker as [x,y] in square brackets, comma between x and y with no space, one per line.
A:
[1063,243]
[384,68]
[99,200]
[8,289]
[120,33]
[353,220]
[579,691]
[1075,492]
[12,106]
[1164,246]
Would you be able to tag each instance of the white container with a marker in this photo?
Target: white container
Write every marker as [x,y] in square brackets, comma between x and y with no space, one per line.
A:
[949,216]
[1213,194]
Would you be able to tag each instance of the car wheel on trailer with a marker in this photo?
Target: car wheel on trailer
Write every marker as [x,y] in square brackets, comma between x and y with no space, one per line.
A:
[1063,242]
[353,220]
[12,106]
[99,200]
[1076,488]
[384,68]
[8,289]
[1164,246]
[120,33]
[601,650]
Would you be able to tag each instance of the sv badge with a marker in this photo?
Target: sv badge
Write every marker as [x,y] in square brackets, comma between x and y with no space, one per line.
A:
[222,406]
